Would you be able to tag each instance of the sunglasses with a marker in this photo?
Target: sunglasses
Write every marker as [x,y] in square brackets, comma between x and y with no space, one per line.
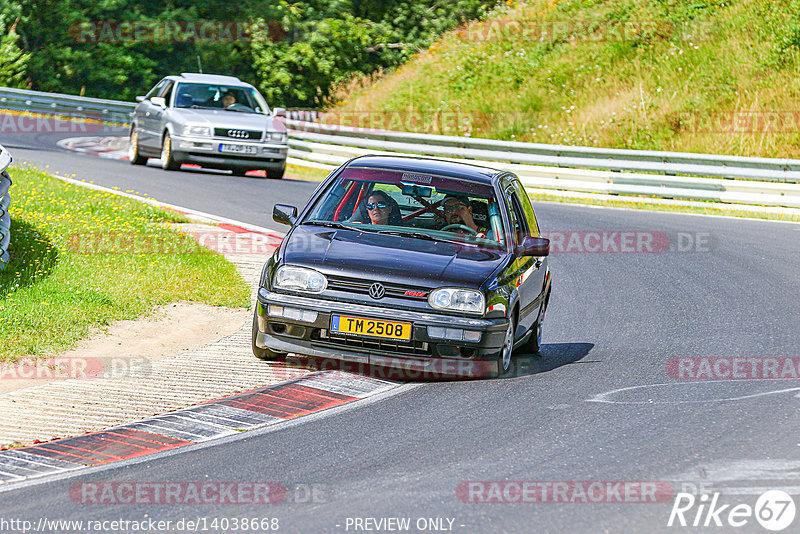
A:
[381,205]
[454,207]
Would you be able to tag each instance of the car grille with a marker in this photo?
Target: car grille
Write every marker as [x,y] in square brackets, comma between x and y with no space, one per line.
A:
[417,348]
[352,285]
[234,133]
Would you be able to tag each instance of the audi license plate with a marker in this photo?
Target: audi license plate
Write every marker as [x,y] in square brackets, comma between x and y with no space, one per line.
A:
[238,149]
[360,326]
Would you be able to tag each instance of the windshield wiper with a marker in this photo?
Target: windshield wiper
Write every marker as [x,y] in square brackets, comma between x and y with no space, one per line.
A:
[330,224]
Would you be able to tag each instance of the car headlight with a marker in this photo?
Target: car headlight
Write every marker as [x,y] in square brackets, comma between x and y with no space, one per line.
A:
[275,137]
[197,131]
[300,279]
[454,299]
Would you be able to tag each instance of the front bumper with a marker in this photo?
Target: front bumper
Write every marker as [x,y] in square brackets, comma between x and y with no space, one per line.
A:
[422,357]
[207,151]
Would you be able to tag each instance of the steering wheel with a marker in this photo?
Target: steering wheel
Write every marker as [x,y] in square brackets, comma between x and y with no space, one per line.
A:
[459,227]
[239,107]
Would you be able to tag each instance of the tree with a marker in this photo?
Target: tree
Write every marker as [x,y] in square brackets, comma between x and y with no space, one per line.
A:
[13,61]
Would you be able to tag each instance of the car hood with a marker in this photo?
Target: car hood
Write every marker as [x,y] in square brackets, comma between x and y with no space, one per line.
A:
[230,119]
[390,258]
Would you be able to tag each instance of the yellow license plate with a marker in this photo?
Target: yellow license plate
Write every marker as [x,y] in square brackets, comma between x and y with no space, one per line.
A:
[360,326]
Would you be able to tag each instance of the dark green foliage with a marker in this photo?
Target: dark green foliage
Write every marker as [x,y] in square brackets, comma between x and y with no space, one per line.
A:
[294,55]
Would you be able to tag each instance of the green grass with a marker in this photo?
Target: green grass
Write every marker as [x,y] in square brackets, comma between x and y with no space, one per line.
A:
[306,173]
[81,259]
[637,74]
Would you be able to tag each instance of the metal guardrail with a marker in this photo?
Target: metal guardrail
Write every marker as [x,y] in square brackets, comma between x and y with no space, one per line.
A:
[543,168]
[85,107]
[74,106]
[5,203]
[666,175]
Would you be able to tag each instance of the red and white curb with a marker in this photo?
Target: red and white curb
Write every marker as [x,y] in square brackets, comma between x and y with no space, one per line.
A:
[253,409]
[105,147]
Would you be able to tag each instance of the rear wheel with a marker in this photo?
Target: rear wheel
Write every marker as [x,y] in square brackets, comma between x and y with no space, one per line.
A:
[534,343]
[133,150]
[168,162]
[258,352]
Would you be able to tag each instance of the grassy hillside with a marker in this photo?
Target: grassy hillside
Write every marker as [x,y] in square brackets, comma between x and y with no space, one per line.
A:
[700,76]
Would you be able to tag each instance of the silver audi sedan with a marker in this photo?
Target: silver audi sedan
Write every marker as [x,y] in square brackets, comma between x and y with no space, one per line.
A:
[213,121]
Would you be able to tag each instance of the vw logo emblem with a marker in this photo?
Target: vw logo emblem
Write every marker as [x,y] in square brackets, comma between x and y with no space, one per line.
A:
[377,291]
[241,134]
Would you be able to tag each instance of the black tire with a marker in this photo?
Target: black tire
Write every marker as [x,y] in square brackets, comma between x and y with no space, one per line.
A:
[534,343]
[276,174]
[168,162]
[134,155]
[258,352]
[507,352]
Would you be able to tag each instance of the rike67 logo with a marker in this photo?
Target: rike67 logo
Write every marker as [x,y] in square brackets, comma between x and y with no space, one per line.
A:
[774,510]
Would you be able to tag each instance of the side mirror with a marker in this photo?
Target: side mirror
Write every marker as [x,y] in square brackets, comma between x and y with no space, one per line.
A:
[284,214]
[279,112]
[534,246]
[159,101]
[140,99]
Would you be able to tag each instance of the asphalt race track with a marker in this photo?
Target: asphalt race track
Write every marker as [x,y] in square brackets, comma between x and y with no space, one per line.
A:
[603,402]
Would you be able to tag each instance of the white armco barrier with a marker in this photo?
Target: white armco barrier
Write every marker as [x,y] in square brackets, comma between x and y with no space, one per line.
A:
[551,168]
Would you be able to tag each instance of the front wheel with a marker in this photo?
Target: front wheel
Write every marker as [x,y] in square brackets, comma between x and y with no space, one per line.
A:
[276,174]
[133,150]
[168,162]
[258,352]
[504,359]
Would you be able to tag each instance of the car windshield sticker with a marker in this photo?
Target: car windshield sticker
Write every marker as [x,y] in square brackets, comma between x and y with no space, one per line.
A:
[417,178]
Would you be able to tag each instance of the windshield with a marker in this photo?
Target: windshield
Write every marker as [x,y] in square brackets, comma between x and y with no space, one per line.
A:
[417,205]
[234,98]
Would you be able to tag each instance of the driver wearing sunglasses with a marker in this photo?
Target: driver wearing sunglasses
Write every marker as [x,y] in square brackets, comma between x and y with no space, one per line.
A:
[458,217]
[382,209]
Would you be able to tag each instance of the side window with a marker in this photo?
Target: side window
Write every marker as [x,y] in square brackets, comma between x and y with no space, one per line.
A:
[155,90]
[517,219]
[527,208]
[166,91]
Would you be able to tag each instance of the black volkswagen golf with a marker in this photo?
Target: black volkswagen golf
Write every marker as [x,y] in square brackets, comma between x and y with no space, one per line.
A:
[428,266]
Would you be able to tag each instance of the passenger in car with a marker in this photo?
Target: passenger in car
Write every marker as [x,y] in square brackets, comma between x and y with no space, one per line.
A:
[383,209]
